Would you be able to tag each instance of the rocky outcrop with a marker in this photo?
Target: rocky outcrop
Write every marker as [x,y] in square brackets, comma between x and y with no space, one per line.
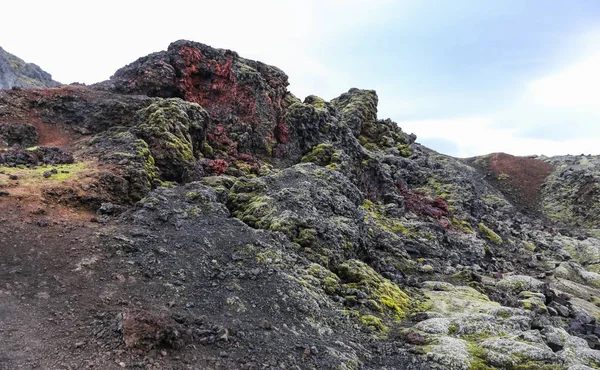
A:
[246,99]
[572,193]
[15,73]
[261,231]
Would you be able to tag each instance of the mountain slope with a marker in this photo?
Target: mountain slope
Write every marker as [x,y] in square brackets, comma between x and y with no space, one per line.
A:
[14,72]
[214,220]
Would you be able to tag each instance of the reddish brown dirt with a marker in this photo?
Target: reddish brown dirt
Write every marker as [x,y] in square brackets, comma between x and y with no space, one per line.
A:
[518,178]
[52,136]
[20,111]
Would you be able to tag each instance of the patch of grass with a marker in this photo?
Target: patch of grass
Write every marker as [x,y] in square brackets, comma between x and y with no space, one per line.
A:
[34,176]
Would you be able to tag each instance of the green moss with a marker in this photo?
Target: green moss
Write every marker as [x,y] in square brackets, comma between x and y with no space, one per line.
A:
[462,300]
[170,128]
[478,357]
[323,155]
[317,102]
[536,365]
[257,212]
[374,323]
[504,314]
[437,189]
[330,284]
[247,203]
[142,152]
[529,246]
[371,146]
[461,225]
[452,329]
[333,166]
[464,276]
[225,182]
[207,150]
[245,168]
[306,237]
[269,257]
[489,234]
[358,275]
[387,223]
[329,281]
[494,201]
[405,150]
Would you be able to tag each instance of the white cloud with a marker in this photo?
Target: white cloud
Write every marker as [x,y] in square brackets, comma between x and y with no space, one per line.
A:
[88,42]
[476,136]
[561,109]
[575,87]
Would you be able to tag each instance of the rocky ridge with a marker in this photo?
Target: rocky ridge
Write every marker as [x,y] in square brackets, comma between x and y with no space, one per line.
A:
[237,226]
[15,73]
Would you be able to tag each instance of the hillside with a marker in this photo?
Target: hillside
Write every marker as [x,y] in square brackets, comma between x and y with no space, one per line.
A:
[192,213]
[15,73]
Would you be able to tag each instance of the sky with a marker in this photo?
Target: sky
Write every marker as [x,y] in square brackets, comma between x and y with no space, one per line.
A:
[468,77]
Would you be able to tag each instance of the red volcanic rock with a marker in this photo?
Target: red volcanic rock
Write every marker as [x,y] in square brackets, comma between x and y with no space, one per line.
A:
[420,204]
[246,99]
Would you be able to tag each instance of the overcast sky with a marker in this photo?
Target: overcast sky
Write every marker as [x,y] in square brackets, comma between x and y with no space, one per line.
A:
[469,77]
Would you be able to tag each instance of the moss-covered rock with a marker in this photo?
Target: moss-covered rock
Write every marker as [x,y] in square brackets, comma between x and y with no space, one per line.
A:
[358,275]
[461,299]
[323,155]
[571,194]
[175,131]
[489,234]
[374,323]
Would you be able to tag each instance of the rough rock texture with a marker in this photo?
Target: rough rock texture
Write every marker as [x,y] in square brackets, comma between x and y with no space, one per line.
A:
[215,221]
[15,73]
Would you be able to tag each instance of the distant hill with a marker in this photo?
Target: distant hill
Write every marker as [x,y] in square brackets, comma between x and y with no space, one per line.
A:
[14,72]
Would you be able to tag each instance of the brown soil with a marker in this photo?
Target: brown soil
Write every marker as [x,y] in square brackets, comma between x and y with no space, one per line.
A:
[63,292]
[520,179]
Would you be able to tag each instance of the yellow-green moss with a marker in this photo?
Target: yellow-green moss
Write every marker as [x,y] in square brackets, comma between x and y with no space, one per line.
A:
[489,234]
[245,168]
[405,150]
[478,357]
[461,225]
[327,279]
[529,246]
[323,154]
[390,224]
[358,275]
[452,329]
[207,150]
[35,176]
[374,323]
[168,127]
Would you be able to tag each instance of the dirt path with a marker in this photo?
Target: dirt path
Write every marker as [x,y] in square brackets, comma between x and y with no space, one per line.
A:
[48,295]
[62,290]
